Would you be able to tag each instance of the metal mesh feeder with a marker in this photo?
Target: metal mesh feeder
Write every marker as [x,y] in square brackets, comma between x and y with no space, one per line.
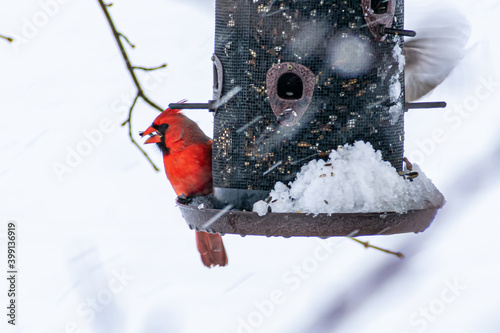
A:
[310,76]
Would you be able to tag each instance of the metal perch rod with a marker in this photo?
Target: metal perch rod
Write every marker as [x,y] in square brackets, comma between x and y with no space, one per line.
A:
[424,105]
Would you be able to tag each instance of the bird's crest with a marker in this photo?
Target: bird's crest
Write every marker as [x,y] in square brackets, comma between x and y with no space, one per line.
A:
[168,113]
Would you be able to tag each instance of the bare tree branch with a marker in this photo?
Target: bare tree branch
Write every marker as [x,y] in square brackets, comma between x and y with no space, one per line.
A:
[9,39]
[140,92]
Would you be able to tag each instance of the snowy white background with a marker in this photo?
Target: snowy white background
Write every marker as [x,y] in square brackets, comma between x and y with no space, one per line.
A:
[104,249]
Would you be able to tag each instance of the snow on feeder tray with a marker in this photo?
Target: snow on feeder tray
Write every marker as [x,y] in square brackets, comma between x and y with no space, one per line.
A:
[294,81]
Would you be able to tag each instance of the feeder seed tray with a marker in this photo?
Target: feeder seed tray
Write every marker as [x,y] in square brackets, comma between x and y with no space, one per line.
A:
[300,224]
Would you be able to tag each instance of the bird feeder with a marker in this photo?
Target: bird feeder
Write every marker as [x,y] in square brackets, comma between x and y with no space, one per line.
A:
[310,76]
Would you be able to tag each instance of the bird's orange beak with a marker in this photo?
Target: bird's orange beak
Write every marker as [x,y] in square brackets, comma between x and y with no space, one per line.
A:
[154,138]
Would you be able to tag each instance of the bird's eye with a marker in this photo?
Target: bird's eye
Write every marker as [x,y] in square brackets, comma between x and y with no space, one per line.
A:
[162,128]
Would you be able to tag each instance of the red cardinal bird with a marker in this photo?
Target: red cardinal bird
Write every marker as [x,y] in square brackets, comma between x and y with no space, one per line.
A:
[187,156]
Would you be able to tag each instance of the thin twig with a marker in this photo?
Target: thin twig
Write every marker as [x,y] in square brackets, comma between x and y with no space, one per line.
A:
[130,110]
[367,245]
[126,39]
[150,69]
[9,39]
[129,121]
[140,92]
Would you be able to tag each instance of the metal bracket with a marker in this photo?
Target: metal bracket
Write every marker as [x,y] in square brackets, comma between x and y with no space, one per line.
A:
[218,80]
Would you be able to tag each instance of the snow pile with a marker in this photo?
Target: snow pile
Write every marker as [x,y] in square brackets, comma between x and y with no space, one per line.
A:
[354,179]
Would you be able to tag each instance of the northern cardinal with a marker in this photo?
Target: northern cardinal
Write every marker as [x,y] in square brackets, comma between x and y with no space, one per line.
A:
[187,157]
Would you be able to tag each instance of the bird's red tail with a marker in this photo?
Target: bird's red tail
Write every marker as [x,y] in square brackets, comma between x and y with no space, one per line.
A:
[211,249]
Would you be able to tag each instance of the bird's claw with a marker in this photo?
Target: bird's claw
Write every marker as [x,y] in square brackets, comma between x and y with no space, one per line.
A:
[182,199]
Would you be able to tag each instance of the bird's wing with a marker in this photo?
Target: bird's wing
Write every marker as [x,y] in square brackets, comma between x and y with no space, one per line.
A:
[442,33]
